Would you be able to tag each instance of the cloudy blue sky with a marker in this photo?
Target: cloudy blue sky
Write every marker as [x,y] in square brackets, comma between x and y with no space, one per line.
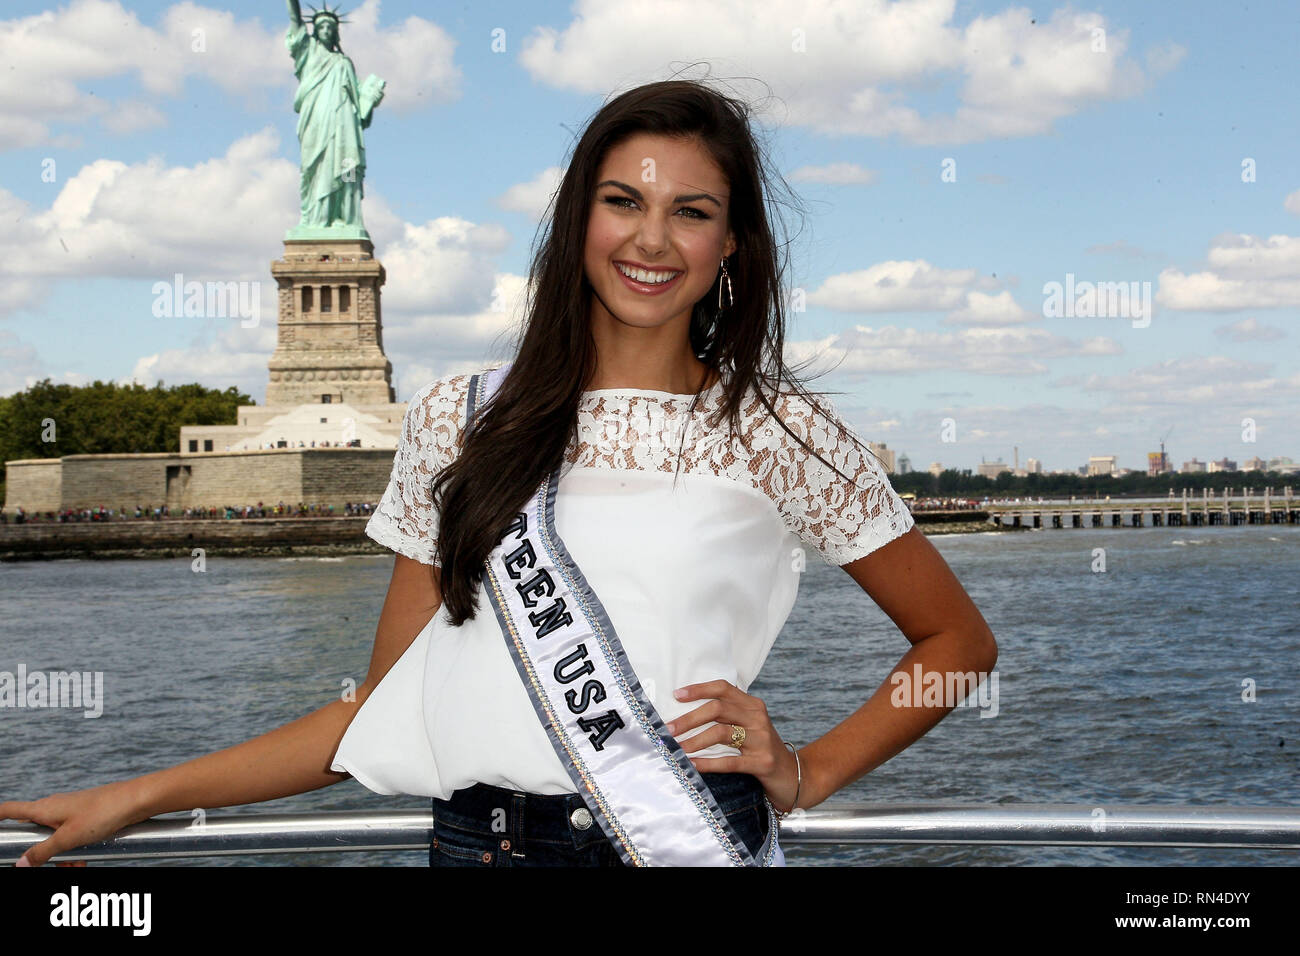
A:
[955,158]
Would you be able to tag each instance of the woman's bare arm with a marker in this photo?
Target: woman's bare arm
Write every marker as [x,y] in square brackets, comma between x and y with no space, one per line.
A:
[291,759]
[911,583]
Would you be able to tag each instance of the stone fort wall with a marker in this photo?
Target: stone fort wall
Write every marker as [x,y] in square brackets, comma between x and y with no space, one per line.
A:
[34,483]
[312,475]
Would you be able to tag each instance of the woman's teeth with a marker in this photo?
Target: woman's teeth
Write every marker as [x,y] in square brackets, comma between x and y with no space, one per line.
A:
[643,275]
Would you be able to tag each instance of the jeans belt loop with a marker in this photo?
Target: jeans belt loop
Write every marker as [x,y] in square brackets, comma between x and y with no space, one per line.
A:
[518,823]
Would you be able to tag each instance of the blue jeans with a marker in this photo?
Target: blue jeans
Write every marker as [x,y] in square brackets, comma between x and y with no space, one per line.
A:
[484,826]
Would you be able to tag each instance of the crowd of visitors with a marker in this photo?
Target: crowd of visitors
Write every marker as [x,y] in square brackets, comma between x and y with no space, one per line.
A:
[162,512]
[944,504]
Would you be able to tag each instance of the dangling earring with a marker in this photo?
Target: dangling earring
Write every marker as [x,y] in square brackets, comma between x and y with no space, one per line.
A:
[727,279]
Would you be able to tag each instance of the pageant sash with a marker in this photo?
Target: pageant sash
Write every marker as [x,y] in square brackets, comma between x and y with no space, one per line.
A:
[640,786]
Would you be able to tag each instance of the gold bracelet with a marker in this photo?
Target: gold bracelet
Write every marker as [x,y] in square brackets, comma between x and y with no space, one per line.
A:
[798,785]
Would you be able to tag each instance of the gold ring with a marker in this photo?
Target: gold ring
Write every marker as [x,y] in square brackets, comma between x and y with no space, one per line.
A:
[737,736]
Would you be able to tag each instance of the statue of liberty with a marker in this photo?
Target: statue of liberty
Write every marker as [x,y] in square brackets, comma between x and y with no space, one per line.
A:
[332,111]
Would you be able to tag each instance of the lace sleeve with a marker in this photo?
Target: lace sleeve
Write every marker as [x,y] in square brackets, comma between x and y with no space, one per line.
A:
[405,519]
[843,520]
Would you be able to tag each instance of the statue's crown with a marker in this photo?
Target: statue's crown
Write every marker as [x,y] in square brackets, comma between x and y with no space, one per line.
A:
[336,14]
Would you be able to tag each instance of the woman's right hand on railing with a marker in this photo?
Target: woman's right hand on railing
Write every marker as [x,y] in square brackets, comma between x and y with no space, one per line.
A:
[77,818]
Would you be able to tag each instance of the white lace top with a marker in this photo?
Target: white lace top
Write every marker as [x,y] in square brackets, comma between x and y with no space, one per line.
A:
[698,574]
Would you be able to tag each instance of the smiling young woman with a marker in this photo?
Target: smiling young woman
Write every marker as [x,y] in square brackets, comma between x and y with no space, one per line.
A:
[629,498]
[599,542]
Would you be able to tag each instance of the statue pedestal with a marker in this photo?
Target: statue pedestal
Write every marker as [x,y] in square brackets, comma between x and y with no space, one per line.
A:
[330,343]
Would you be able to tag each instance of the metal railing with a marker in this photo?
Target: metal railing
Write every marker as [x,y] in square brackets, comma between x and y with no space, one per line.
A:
[840,824]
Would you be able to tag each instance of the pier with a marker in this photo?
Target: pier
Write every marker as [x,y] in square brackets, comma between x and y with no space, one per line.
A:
[1188,511]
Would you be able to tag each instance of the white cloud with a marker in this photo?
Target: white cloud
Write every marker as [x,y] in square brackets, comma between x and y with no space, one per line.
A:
[895,286]
[416,58]
[149,220]
[835,174]
[990,310]
[1250,257]
[421,345]
[234,356]
[17,132]
[845,68]
[1246,272]
[445,295]
[1124,414]
[54,58]
[1250,330]
[1016,351]
[533,197]
[917,286]
[1062,437]
[1223,386]
[466,333]
[444,265]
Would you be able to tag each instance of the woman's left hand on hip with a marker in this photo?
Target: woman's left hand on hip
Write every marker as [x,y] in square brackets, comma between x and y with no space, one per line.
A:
[762,753]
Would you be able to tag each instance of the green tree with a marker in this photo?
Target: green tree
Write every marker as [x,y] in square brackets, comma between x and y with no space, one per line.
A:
[106,418]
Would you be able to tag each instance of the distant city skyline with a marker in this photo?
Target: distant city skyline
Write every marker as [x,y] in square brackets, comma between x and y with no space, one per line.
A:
[1281,463]
[1072,230]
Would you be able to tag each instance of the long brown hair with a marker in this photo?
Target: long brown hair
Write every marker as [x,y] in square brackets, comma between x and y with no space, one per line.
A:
[519,437]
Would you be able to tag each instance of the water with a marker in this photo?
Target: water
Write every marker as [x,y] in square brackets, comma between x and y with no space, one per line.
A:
[1122,687]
